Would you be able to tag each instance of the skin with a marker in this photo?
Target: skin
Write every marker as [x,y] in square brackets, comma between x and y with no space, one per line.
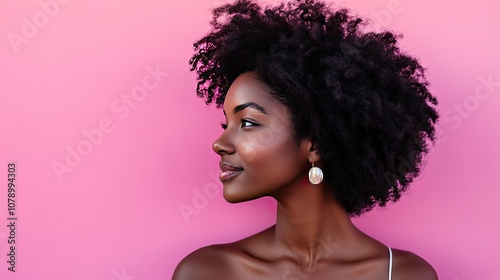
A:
[313,237]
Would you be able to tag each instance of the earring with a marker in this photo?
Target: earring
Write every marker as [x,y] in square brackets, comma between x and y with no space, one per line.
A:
[315,175]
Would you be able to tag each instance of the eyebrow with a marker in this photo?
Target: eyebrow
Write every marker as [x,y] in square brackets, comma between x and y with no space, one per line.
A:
[251,105]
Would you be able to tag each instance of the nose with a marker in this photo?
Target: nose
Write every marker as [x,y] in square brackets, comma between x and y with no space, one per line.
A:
[223,145]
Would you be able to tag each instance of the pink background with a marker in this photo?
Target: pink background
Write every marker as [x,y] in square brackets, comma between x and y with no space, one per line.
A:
[65,67]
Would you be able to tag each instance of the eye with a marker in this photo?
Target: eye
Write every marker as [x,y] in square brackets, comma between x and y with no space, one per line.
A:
[247,123]
[223,125]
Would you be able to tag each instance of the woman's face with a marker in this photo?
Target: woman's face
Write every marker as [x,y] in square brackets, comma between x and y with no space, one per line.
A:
[259,156]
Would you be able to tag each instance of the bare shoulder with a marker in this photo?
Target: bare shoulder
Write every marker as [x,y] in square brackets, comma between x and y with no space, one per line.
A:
[211,262]
[222,261]
[409,266]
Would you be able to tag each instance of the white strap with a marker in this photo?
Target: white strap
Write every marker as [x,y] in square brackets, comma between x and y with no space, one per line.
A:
[390,263]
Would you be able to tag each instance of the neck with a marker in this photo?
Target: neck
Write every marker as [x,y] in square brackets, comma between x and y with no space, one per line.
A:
[311,225]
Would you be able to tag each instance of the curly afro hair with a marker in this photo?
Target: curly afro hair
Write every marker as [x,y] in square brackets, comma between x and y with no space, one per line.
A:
[364,102]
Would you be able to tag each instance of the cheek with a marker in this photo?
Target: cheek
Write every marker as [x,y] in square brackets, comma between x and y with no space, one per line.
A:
[263,145]
[248,152]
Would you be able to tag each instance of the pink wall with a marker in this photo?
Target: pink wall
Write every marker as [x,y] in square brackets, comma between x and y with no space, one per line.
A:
[118,71]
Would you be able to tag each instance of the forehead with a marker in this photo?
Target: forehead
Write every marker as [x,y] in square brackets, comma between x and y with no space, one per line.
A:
[247,88]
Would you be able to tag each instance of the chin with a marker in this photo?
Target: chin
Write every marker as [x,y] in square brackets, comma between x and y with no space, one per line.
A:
[233,198]
[229,196]
[236,197]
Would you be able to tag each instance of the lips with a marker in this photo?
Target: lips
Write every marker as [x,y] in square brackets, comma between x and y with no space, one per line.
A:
[228,171]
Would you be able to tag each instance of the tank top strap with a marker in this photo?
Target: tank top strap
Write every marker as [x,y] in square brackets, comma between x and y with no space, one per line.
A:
[390,262]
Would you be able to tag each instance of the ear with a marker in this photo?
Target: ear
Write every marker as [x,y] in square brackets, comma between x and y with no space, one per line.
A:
[313,155]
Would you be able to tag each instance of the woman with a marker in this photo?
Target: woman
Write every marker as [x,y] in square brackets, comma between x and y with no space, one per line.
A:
[325,118]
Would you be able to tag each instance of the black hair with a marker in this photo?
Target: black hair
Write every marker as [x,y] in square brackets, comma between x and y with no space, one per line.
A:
[364,102]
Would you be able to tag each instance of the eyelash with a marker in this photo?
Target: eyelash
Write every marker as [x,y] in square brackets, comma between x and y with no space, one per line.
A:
[224,125]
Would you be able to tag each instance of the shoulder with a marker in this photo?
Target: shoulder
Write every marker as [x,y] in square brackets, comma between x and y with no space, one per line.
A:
[408,265]
[223,261]
[211,262]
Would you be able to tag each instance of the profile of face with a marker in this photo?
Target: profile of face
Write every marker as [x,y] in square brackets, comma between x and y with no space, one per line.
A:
[259,155]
